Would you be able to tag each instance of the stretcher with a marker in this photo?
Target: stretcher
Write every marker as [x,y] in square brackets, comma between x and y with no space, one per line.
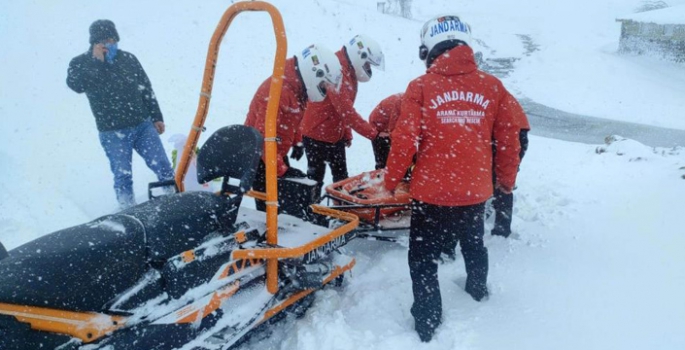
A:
[383,215]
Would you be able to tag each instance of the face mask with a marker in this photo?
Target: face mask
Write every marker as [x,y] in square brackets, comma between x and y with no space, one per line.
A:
[111,52]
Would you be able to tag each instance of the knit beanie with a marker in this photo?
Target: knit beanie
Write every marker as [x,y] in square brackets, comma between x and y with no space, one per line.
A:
[101,30]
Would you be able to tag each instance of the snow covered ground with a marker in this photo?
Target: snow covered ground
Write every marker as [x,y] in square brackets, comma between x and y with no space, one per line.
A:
[598,262]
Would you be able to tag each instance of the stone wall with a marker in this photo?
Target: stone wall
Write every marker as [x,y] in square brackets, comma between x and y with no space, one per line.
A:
[662,40]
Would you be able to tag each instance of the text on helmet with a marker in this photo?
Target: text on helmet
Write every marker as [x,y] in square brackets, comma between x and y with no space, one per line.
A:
[448,24]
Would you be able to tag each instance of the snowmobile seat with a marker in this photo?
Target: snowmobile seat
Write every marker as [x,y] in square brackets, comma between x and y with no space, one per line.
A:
[84,267]
[79,268]
[180,222]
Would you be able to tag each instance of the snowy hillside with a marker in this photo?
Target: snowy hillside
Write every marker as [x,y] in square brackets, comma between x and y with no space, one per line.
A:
[598,259]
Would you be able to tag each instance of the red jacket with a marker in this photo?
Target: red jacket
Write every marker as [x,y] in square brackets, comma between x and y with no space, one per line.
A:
[522,121]
[384,116]
[450,116]
[331,119]
[290,111]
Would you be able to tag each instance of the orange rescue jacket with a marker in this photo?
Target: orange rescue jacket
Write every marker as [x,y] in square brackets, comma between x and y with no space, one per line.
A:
[384,116]
[290,111]
[449,119]
[331,119]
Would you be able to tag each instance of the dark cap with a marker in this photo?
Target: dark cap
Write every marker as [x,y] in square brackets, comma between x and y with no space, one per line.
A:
[102,30]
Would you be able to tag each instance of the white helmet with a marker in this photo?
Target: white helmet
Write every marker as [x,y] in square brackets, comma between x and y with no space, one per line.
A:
[364,52]
[318,66]
[442,32]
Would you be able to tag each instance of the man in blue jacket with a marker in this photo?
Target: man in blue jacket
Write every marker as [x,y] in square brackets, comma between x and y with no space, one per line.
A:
[125,108]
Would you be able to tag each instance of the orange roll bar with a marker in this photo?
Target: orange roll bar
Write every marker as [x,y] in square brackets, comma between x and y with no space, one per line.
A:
[271,115]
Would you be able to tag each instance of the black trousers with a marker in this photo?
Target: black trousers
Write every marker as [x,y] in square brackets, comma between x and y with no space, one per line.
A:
[433,228]
[319,154]
[503,203]
[381,151]
[503,207]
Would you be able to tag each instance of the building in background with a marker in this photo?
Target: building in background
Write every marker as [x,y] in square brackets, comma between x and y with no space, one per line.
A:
[658,32]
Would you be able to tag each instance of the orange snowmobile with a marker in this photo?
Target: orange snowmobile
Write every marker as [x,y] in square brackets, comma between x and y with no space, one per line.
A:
[190,270]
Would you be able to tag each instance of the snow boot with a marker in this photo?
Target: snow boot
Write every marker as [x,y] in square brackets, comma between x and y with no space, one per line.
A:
[477,292]
[425,331]
[500,231]
[125,199]
[425,326]
[476,263]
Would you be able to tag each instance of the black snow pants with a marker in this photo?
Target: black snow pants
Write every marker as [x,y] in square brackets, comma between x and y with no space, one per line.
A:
[503,203]
[503,208]
[381,151]
[432,228]
[318,154]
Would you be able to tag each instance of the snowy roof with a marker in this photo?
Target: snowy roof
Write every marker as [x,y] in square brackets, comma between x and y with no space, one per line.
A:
[668,15]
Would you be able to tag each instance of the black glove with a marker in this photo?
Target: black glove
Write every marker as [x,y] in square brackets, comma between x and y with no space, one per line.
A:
[297,152]
[294,172]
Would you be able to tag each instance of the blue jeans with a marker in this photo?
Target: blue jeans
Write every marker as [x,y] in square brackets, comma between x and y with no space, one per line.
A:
[119,146]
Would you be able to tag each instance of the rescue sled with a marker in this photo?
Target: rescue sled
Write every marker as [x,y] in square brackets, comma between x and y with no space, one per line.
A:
[189,270]
[383,215]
